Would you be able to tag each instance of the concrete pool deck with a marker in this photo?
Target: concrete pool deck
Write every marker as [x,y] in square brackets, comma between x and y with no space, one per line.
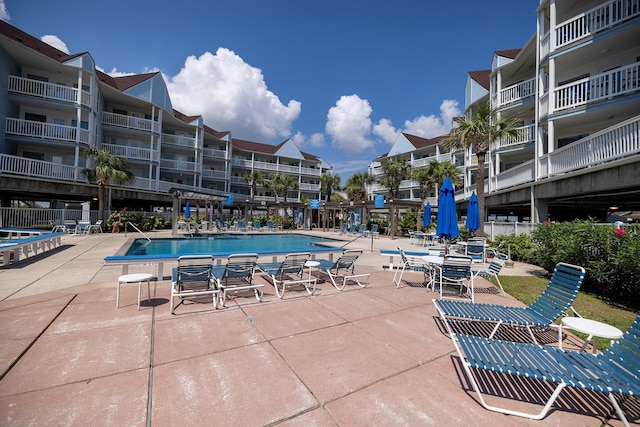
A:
[373,356]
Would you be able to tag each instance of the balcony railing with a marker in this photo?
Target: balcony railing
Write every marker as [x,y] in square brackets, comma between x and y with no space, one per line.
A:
[180,140]
[50,131]
[39,169]
[611,144]
[46,90]
[211,174]
[130,122]
[602,86]
[545,45]
[595,20]
[180,165]
[133,153]
[309,187]
[525,135]
[515,93]
[214,153]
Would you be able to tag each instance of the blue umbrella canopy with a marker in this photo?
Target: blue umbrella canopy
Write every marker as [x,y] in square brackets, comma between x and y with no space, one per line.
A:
[473,213]
[187,210]
[447,226]
[426,219]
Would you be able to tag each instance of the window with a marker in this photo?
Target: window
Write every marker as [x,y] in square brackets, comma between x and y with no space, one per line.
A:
[35,117]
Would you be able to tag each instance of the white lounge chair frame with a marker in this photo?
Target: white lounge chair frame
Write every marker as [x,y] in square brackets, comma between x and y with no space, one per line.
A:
[193,269]
[289,273]
[346,262]
[237,275]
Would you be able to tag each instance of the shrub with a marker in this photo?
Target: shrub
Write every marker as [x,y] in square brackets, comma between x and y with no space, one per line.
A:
[520,247]
[609,256]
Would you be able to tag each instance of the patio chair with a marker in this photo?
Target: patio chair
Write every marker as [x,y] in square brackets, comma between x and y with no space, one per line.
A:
[455,271]
[271,226]
[240,225]
[343,229]
[373,232]
[492,272]
[341,271]
[289,272]
[476,250]
[237,276]
[613,371]
[97,227]
[351,230]
[361,230]
[419,238]
[412,263]
[257,226]
[193,279]
[554,301]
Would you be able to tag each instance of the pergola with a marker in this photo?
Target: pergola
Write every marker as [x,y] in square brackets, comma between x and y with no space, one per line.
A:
[179,195]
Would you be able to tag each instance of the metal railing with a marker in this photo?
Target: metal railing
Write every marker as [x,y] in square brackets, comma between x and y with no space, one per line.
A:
[50,131]
[46,90]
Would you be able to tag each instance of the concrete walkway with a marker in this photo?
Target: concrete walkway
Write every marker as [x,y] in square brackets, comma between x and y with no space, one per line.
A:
[361,357]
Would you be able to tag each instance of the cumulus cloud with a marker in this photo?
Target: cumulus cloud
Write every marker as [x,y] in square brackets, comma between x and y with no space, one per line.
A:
[55,42]
[115,72]
[231,95]
[314,141]
[424,126]
[4,13]
[349,125]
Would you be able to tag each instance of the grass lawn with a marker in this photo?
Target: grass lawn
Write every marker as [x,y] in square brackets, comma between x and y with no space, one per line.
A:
[528,288]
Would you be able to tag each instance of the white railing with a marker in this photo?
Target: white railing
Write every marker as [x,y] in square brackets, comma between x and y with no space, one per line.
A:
[545,45]
[595,20]
[180,140]
[130,122]
[208,173]
[47,90]
[309,187]
[38,168]
[128,152]
[289,169]
[607,145]
[517,92]
[425,161]
[521,174]
[525,135]
[214,153]
[179,165]
[33,129]
[598,87]
[243,163]
[543,103]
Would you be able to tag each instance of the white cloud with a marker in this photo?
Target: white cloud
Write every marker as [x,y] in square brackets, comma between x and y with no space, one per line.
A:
[55,42]
[316,140]
[348,124]
[424,126]
[231,95]
[4,13]
[116,73]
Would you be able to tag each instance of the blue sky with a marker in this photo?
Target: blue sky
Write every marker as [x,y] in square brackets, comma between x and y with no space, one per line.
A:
[342,78]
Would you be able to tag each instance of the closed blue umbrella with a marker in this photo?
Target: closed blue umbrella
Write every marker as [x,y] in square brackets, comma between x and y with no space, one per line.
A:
[426,219]
[473,214]
[187,210]
[447,225]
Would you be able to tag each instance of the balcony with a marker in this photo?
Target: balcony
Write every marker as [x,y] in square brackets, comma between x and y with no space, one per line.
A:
[48,131]
[598,87]
[211,174]
[130,122]
[595,20]
[214,153]
[525,135]
[309,187]
[515,93]
[130,153]
[15,165]
[48,91]
[179,165]
[180,141]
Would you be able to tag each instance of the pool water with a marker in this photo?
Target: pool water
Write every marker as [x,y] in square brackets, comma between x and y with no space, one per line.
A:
[225,244]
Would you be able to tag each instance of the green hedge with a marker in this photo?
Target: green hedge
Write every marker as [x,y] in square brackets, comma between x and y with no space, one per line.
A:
[610,256]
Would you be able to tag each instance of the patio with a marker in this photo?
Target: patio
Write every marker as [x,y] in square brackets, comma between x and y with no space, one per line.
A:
[372,356]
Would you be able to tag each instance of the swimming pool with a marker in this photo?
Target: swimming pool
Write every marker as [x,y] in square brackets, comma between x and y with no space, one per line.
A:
[226,244]
[161,251]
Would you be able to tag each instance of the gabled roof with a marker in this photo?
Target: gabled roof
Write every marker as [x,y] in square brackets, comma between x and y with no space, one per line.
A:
[187,119]
[420,142]
[125,82]
[259,147]
[508,53]
[34,43]
[482,77]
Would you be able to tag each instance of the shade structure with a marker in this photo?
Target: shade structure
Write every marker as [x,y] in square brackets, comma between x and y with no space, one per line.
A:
[473,213]
[187,210]
[426,219]
[447,225]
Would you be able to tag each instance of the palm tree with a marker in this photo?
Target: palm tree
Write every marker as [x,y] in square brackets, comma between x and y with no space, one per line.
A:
[107,169]
[395,170]
[478,132]
[254,178]
[356,185]
[281,183]
[328,184]
[425,180]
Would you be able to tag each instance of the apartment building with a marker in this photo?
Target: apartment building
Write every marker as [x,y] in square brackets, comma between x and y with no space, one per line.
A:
[56,105]
[575,90]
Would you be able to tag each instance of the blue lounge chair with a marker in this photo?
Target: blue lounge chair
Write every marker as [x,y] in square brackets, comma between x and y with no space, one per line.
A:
[616,370]
[412,263]
[343,229]
[193,279]
[257,226]
[289,272]
[361,230]
[373,232]
[345,264]
[492,272]
[554,301]
[237,276]
[352,230]
[271,226]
